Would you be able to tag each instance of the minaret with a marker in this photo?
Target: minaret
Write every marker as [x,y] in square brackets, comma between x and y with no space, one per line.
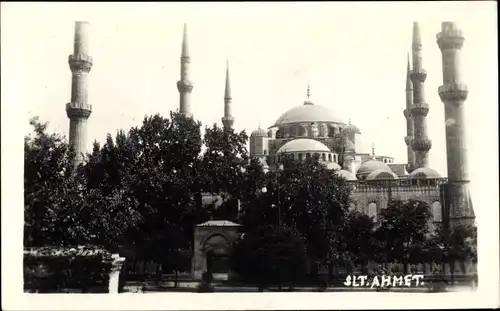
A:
[227,119]
[420,142]
[453,94]
[409,120]
[184,85]
[79,110]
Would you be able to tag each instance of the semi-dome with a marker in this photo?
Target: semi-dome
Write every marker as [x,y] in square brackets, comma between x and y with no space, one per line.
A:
[424,173]
[381,175]
[260,132]
[347,175]
[303,144]
[332,166]
[370,166]
[307,113]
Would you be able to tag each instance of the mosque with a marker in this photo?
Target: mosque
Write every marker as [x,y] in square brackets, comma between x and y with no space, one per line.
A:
[310,129]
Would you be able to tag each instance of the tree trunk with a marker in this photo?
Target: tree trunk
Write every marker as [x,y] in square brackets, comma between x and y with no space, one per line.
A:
[176,278]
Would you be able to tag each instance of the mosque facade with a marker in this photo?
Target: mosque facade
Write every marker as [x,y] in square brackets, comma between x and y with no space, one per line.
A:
[310,129]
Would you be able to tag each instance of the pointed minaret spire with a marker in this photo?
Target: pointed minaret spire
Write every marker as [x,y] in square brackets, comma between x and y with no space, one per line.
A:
[373,151]
[409,85]
[410,165]
[421,144]
[227,119]
[185,49]
[184,86]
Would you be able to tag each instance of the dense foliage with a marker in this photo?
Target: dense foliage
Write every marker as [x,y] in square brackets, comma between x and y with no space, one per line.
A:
[140,194]
[270,255]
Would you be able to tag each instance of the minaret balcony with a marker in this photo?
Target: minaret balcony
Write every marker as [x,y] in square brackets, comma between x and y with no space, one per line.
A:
[420,109]
[453,92]
[407,113]
[78,110]
[184,86]
[450,37]
[408,140]
[422,144]
[418,75]
[80,62]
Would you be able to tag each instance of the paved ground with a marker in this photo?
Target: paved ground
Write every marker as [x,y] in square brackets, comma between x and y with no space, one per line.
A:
[192,287]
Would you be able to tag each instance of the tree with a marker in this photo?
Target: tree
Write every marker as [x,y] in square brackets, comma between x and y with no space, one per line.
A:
[309,198]
[403,231]
[157,166]
[270,255]
[360,238]
[456,245]
[60,208]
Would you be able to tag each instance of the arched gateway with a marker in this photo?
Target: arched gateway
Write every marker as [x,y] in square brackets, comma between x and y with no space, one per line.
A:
[212,247]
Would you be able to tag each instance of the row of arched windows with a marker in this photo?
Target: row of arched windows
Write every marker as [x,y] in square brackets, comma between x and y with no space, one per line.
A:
[323,130]
[323,156]
[436,208]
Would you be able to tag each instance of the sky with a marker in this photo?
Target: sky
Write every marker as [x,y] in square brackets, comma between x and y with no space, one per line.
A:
[353,54]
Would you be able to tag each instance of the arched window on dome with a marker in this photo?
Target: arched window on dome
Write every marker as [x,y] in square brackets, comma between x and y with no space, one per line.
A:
[437,212]
[323,157]
[331,131]
[300,157]
[279,134]
[372,211]
[329,157]
[308,155]
[316,155]
[301,131]
[335,158]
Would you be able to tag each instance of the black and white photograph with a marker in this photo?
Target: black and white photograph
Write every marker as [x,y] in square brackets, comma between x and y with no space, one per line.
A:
[227,154]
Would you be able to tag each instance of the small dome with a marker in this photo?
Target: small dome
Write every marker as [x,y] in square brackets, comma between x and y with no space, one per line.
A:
[424,173]
[351,128]
[303,144]
[370,166]
[347,175]
[260,132]
[332,166]
[381,174]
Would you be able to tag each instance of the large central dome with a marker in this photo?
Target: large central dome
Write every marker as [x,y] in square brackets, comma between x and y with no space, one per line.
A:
[305,113]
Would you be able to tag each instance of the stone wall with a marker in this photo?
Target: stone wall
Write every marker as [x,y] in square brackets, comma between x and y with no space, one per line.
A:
[380,193]
[80,269]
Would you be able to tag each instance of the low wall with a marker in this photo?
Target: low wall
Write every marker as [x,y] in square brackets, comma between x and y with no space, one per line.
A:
[80,269]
